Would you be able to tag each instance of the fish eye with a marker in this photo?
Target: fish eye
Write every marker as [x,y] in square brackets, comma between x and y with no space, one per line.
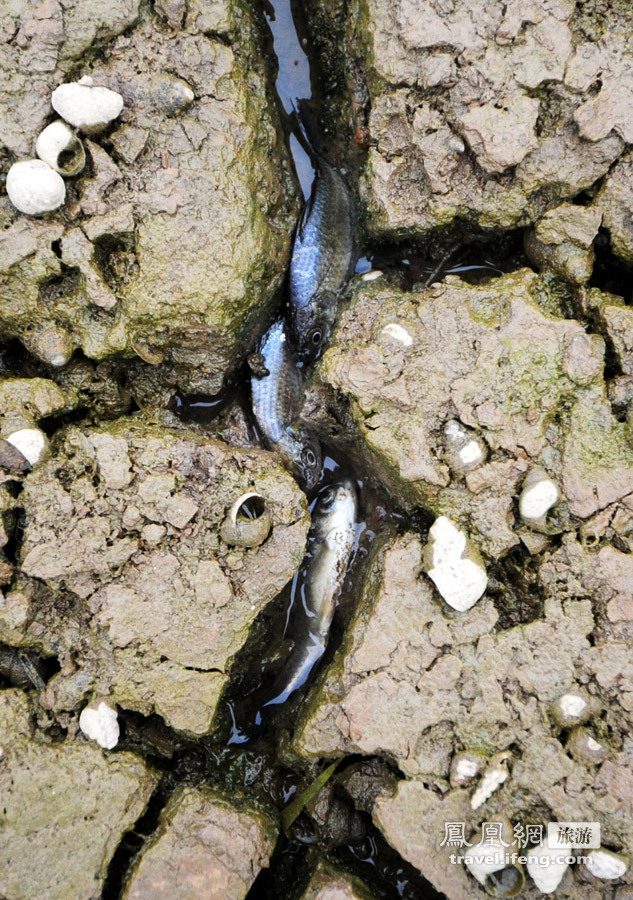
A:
[327,496]
[316,337]
[309,458]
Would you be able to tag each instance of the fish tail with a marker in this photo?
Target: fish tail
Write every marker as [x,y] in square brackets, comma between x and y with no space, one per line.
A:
[307,132]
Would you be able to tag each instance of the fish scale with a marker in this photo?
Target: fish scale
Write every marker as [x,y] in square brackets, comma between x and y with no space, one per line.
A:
[323,255]
[277,396]
[331,542]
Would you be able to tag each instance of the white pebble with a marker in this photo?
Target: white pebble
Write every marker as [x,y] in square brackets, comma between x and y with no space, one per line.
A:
[492,779]
[573,708]
[34,188]
[537,499]
[455,565]
[465,767]
[31,442]
[605,864]
[572,705]
[58,139]
[100,724]
[372,275]
[464,449]
[87,107]
[471,454]
[546,873]
[398,333]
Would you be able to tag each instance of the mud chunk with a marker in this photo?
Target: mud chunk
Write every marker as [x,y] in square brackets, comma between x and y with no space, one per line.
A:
[101,797]
[545,112]
[123,526]
[204,849]
[615,201]
[197,227]
[328,884]
[562,241]
[486,355]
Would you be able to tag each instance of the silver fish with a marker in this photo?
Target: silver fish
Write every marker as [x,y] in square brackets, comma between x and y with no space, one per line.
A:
[330,543]
[277,393]
[322,259]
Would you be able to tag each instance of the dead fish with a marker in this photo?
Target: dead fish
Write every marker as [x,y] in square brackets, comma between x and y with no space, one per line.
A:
[323,254]
[277,393]
[330,545]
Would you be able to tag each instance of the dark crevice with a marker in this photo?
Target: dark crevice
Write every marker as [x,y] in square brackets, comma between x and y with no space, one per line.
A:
[514,586]
[134,840]
[287,874]
[13,521]
[26,669]
[610,274]
[378,864]
[460,250]
[116,259]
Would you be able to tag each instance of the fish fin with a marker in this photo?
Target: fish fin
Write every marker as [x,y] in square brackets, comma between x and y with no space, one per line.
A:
[306,213]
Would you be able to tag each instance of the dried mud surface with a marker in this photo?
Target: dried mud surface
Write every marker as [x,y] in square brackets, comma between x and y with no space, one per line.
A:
[158,274]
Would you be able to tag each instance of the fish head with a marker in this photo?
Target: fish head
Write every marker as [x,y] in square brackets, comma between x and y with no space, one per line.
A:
[314,324]
[336,506]
[303,451]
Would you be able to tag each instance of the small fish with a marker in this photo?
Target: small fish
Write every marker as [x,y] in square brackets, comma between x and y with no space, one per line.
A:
[323,255]
[277,393]
[330,543]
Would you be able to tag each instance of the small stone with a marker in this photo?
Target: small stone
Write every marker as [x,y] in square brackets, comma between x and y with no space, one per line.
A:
[538,496]
[605,864]
[58,146]
[34,188]
[372,275]
[465,767]
[31,442]
[572,708]
[545,872]
[584,747]
[454,564]
[464,449]
[89,108]
[153,534]
[398,333]
[100,724]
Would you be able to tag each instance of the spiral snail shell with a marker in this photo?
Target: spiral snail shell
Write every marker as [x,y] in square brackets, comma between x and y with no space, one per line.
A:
[248,521]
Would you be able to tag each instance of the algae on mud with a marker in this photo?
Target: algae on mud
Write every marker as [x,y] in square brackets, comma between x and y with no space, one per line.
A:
[521,361]
[177,234]
[49,792]
[124,576]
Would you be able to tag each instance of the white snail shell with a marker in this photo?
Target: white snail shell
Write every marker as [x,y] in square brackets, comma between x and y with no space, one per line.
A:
[34,188]
[60,147]
[241,530]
